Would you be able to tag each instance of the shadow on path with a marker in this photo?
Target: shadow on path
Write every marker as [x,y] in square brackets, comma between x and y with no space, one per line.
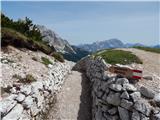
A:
[85,108]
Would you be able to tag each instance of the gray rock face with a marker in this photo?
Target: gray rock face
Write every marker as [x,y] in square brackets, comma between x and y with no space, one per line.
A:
[126,104]
[114,99]
[142,107]
[123,113]
[147,92]
[135,116]
[112,111]
[136,96]
[115,87]
[15,113]
[125,95]
[129,87]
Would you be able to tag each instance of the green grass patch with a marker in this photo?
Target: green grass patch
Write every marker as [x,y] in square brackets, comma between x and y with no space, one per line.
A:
[118,57]
[46,61]
[155,50]
[58,56]
[28,79]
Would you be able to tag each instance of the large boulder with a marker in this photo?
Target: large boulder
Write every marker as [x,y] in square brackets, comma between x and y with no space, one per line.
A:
[146,92]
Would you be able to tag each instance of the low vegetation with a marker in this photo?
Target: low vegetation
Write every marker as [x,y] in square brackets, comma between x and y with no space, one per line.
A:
[156,50]
[58,56]
[46,61]
[118,57]
[28,79]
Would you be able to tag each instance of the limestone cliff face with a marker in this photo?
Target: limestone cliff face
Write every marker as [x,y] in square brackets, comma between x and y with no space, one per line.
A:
[53,39]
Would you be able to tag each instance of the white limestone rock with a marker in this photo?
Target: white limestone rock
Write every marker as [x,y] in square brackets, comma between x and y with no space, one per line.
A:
[15,113]
[20,97]
[129,87]
[122,81]
[116,87]
[26,89]
[28,102]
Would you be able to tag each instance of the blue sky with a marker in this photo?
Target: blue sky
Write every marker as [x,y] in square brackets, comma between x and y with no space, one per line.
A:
[87,22]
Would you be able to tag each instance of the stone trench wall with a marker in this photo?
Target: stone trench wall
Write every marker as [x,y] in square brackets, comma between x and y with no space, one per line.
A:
[115,98]
[31,101]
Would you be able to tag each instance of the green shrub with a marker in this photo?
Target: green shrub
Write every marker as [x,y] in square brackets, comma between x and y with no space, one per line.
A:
[28,79]
[156,50]
[46,61]
[58,56]
[119,57]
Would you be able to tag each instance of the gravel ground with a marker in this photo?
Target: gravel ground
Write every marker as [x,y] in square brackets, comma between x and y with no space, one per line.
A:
[150,67]
[74,100]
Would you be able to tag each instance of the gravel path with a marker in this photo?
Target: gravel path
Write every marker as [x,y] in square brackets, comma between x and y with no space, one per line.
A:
[150,67]
[74,100]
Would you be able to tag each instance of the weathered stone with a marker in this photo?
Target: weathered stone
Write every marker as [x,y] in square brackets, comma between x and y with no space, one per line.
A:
[143,117]
[26,89]
[20,97]
[115,87]
[126,104]
[125,95]
[147,92]
[156,116]
[142,107]
[110,117]
[122,81]
[27,103]
[123,113]
[136,96]
[157,99]
[112,111]
[135,115]
[6,105]
[114,99]
[34,109]
[129,87]
[15,113]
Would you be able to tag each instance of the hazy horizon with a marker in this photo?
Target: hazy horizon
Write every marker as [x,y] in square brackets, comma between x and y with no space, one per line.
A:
[88,22]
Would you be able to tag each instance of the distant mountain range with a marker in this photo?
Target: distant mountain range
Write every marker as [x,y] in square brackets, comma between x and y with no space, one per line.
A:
[111,43]
[61,45]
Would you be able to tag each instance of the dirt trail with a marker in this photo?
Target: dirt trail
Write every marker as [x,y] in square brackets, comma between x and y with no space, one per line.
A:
[151,67]
[74,100]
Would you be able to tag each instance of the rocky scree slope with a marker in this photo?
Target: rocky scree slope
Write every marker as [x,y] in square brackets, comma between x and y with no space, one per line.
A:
[29,83]
[115,97]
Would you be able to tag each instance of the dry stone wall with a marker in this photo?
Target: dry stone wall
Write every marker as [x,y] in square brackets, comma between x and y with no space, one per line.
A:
[115,98]
[31,101]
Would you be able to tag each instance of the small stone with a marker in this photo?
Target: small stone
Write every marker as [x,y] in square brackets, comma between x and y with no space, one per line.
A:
[135,116]
[129,87]
[142,107]
[20,97]
[50,66]
[125,95]
[27,103]
[122,81]
[112,111]
[15,113]
[136,96]
[114,99]
[26,89]
[115,87]
[126,104]
[147,92]
[148,77]
[156,116]
[123,113]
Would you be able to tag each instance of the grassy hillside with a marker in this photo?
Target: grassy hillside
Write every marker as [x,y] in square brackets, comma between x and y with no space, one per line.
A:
[156,50]
[118,57]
